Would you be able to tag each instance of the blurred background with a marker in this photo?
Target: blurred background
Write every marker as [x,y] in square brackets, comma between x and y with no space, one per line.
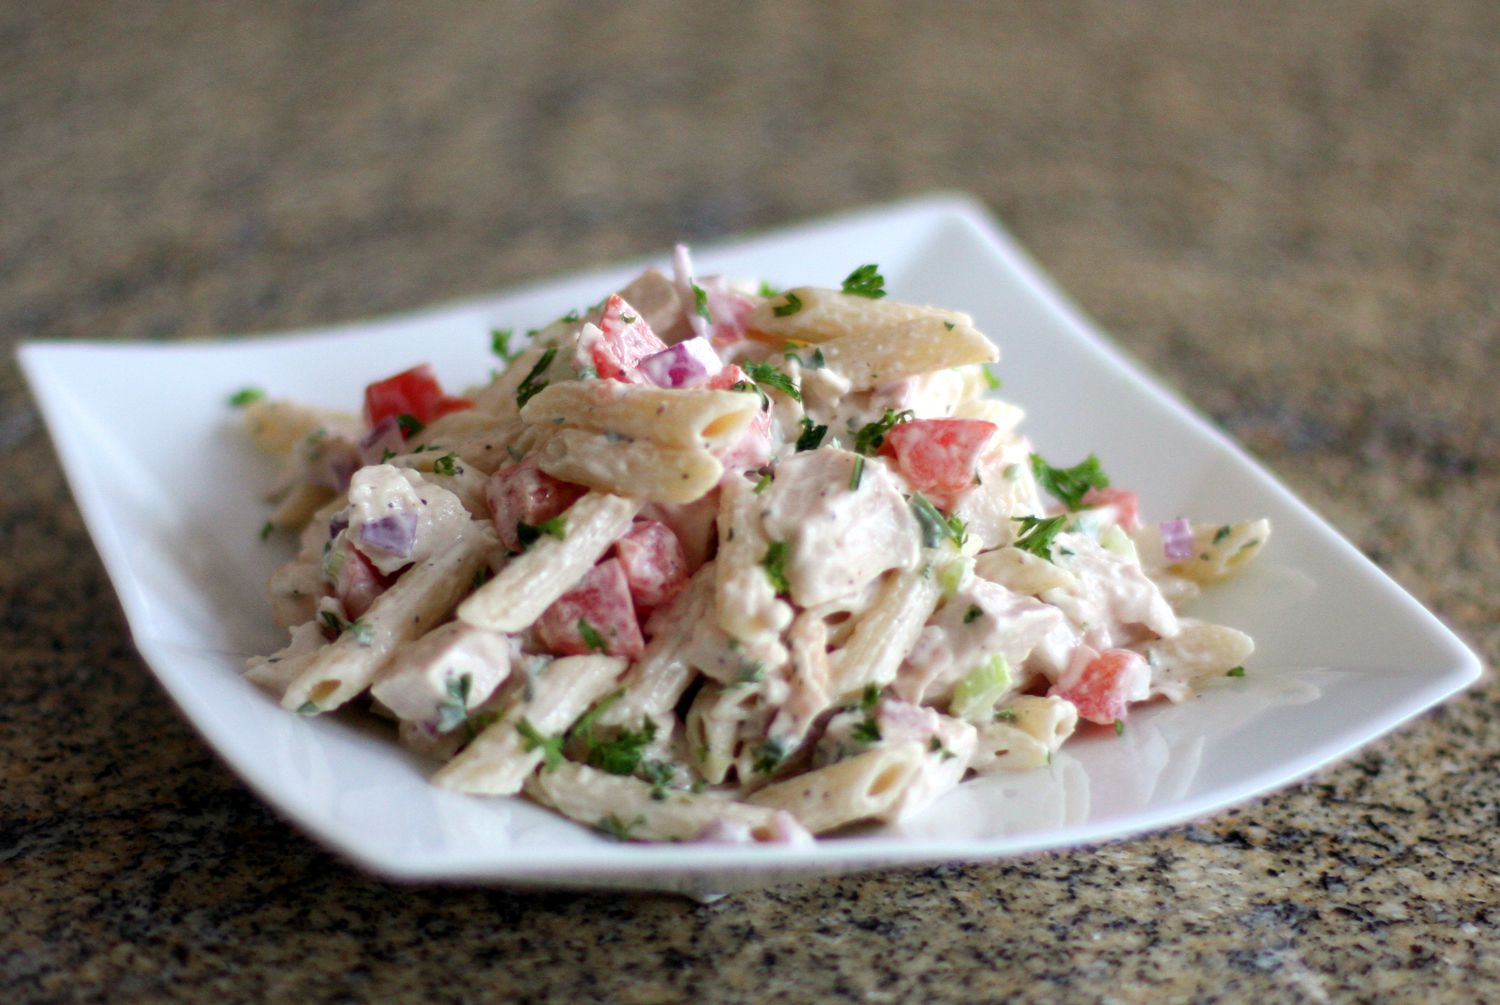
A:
[1289,211]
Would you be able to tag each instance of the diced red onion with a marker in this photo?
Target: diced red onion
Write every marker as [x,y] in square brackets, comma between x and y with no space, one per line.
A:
[338,523]
[395,534]
[384,436]
[1176,539]
[687,364]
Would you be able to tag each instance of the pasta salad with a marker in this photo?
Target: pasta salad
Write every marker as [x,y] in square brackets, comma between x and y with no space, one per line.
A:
[707,562]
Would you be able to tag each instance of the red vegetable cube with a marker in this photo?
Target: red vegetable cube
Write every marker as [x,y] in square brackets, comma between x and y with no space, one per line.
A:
[654,564]
[1107,685]
[625,340]
[595,616]
[1127,506]
[413,392]
[524,493]
[939,456]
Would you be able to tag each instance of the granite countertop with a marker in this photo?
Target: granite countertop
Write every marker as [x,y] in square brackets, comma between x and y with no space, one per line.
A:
[1291,212]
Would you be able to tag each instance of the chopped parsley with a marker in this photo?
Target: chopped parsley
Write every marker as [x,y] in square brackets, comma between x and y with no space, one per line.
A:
[749,673]
[792,306]
[556,527]
[481,576]
[332,621]
[815,362]
[1005,715]
[532,739]
[934,525]
[867,730]
[446,465]
[266,529]
[454,709]
[1037,533]
[767,756]
[308,708]
[1222,533]
[767,290]
[1119,727]
[774,562]
[700,303]
[872,434]
[659,774]
[871,696]
[409,424]
[1235,672]
[865,281]
[761,484]
[617,828]
[531,386]
[765,373]
[1069,485]
[245,396]
[990,380]
[859,473]
[621,755]
[363,634]
[812,436]
[386,454]
[936,746]
[590,636]
[750,385]
[973,614]
[500,345]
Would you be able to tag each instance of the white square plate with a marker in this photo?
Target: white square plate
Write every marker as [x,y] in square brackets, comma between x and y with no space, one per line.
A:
[170,492]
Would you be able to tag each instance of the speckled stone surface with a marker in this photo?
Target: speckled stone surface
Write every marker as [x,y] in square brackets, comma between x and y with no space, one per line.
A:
[1290,211]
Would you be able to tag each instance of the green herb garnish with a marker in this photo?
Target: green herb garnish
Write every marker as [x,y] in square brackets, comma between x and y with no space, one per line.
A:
[363,634]
[812,436]
[531,386]
[865,281]
[1069,485]
[1235,672]
[550,746]
[590,636]
[409,424]
[454,709]
[308,708]
[817,361]
[1037,533]
[621,755]
[867,730]
[245,396]
[500,345]
[792,306]
[767,291]
[859,473]
[446,465]
[934,525]
[872,434]
[617,828]
[1222,533]
[765,373]
[1119,727]
[767,756]
[700,303]
[266,529]
[528,533]
[990,380]
[761,484]
[774,562]
[973,614]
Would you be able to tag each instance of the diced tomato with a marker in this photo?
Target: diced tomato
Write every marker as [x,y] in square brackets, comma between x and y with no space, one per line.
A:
[356,583]
[524,493]
[1107,685]
[625,340]
[1126,503]
[595,613]
[939,456]
[654,564]
[730,311]
[413,392]
[753,449]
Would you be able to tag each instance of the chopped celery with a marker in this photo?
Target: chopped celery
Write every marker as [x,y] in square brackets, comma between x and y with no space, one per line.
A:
[953,574]
[1116,540]
[974,698]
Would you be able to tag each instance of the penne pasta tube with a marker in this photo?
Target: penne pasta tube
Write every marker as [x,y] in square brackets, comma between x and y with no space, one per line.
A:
[420,599]
[847,791]
[642,469]
[885,634]
[683,419]
[628,808]
[811,314]
[531,730]
[529,583]
[880,356]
